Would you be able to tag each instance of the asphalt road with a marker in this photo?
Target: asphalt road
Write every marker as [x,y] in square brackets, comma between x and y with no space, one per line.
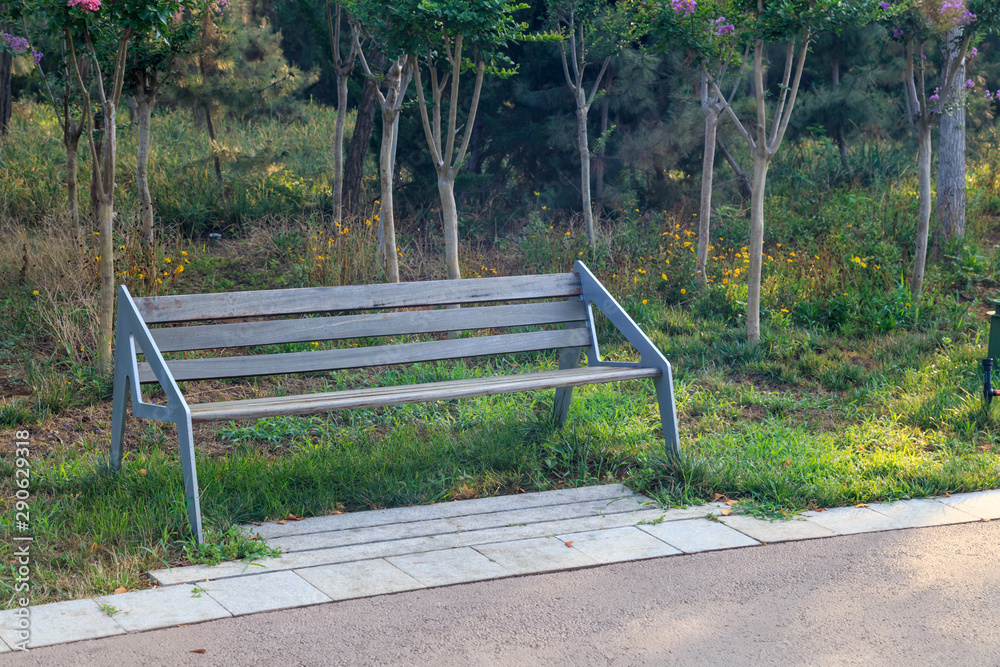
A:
[927,596]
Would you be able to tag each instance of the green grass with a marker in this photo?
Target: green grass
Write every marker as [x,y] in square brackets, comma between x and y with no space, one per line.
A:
[855,393]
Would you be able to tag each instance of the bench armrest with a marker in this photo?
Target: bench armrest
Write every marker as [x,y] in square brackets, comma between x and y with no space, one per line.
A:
[131,332]
[595,294]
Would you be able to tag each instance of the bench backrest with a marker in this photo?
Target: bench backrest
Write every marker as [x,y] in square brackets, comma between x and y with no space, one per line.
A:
[514,302]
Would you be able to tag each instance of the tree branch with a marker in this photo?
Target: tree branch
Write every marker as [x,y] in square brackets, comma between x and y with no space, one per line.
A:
[424,120]
[728,108]
[787,111]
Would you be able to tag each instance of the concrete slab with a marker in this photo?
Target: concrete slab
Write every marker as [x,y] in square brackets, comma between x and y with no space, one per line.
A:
[441,510]
[981,504]
[619,544]
[776,531]
[302,559]
[163,607]
[359,579]
[542,554]
[851,520]
[696,535]
[921,512]
[59,622]
[264,592]
[480,521]
[450,566]
[4,648]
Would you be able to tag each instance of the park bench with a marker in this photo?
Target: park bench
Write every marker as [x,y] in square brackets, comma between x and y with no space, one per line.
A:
[345,313]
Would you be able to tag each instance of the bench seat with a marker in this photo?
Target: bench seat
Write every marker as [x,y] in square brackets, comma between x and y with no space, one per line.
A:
[373,397]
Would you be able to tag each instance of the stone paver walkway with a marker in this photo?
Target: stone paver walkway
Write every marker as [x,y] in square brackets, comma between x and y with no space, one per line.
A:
[363,554]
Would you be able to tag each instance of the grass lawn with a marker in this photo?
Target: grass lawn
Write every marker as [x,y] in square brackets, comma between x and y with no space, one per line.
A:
[855,393]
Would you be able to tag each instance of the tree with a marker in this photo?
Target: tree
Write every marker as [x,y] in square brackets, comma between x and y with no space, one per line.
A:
[583,21]
[343,68]
[951,163]
[89,29]
[396,80]
[926,21]
[794,22]
[446,39]
[154,57]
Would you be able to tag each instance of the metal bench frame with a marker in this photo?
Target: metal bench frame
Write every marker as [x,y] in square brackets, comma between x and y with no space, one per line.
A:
[133,336]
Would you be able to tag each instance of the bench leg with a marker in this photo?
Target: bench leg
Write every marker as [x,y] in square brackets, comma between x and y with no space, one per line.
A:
[185,436]
[664,386]
[118,411]
[568,358]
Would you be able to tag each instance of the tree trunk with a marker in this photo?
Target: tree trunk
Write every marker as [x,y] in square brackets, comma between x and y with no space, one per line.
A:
[338,149]
[106,309]
[449,218]
[71,140]
[386,220]
[355,163]
[581,139]
[760,164]
[133,109]
[924,216]
[145,109]
[6,95]
[839,131]
[705,214]
[742,180]
[600,166]
[211,135]
[951,161]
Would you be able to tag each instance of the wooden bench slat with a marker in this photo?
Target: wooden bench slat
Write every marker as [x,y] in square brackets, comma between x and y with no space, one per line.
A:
[207,336]
[300,301]
[363,357]
[435,391]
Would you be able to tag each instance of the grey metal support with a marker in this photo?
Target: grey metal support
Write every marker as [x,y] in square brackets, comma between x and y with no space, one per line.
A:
[594,294]
[132,336]
[185,437]
[568,358]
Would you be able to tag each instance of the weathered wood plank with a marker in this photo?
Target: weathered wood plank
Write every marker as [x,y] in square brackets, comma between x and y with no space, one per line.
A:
[363,357]
[192,307]
[367,325]
[436,391]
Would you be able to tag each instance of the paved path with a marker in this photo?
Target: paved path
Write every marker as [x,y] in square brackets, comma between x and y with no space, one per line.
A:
[928,596]
[365,554]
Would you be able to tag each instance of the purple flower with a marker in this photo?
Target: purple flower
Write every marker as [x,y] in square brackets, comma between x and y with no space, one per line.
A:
[722,28]
[934,98]
[684,6]
[37,56]
[897,33]
[970,84]
[923,56]
[885,6]
[973,52]
[16,44]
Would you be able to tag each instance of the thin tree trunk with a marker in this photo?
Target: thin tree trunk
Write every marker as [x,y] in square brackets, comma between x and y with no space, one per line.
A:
[71,140]
[742,179]
[582,144]
[841,138]
[133,109]
[6,95]
[924,216]
[106,309]
[449,216]
[338,149]
[600,165]
[707,177]
[211,135]
[145,104]
[358,147]
[951,161]
[760,166]
[386,220]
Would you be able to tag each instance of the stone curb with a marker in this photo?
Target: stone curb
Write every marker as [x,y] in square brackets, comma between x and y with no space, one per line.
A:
[486,551]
